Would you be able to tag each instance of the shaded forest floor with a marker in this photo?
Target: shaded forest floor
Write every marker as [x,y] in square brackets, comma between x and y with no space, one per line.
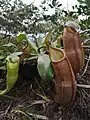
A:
[27,98]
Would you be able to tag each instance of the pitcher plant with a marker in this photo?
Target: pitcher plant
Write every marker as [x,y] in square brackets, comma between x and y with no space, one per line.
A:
[65,83]
[73,48]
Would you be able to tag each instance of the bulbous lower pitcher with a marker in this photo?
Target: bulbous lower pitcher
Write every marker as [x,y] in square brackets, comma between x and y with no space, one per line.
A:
[65,83]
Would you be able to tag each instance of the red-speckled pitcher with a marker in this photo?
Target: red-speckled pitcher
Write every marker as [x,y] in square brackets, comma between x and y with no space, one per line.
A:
[73,49]
[65,83]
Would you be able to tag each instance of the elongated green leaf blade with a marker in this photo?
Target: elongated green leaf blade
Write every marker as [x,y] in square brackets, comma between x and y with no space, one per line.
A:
[39,41]
[44,67]
[47,38]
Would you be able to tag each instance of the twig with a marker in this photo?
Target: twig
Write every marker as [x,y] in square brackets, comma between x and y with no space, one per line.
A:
[7,97]
[8,108]
[43,97]
[86,41]
[36,102]
[41,117]
[87,30]
[30,115]
[86,46]
[85,67]
[83,86]
[42,94]
[39,86]
[23,113]
[86,93]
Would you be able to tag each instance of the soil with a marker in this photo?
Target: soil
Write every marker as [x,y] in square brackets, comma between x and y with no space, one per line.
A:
[24,97]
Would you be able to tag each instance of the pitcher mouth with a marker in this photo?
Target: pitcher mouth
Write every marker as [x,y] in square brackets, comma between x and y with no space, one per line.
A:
[74,26]
[54,56]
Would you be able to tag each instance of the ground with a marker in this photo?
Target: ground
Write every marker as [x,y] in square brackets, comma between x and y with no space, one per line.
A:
[26,100]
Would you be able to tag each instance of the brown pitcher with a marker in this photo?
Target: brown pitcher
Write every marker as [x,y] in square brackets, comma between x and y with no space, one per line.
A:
[65,83]
[73,49]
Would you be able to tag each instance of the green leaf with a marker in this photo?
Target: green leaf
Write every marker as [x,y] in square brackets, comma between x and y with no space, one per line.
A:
[9,45]
[21,36]
[3,68]
[16,54]
[39,41]
[12,73]
[47,38]
[31,58]
[33,45]
[2,57]
[2,63]
[44,67]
